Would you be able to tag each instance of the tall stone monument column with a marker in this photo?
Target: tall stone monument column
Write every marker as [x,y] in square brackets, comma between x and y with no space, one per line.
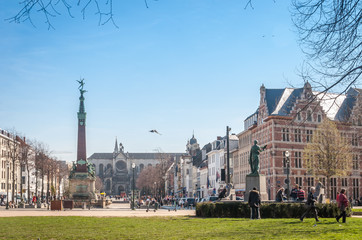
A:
[82,175]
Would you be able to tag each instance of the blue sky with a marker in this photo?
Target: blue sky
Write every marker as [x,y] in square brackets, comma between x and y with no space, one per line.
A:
[178,66]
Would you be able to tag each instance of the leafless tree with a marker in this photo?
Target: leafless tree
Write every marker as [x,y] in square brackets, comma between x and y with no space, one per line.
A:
[53,8]
[26,163]
[155,174]
[63,172]
[329,153]
[41,158]
[330,35]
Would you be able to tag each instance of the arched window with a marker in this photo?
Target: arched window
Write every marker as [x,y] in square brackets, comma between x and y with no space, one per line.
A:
[309,115]
[100,171]
[108,184]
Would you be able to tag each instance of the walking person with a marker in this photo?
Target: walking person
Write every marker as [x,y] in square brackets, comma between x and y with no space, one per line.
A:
[311,205]
[342,205]
[148,202]
[254,203]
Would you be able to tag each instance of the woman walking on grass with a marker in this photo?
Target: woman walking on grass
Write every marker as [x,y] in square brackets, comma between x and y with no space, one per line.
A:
[342,205]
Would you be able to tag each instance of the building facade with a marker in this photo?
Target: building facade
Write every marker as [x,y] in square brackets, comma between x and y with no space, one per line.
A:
[285,121]
[115,169]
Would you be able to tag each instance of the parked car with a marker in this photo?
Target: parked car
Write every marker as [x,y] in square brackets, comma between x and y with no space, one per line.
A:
[240,198]
[212,199]
[190,201]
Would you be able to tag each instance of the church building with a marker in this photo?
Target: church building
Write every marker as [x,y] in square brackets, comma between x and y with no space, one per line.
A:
[115,169]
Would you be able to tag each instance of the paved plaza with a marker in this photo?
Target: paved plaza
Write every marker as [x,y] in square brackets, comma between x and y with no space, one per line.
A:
[114,210]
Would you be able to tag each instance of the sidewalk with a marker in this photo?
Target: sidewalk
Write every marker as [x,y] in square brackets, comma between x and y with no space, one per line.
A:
[114,210]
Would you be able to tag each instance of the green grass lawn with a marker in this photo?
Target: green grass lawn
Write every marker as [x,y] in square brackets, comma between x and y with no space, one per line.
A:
[356,209]
[175,228]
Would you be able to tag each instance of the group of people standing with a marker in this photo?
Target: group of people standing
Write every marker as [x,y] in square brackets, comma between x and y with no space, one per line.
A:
[297,194]
[254,202]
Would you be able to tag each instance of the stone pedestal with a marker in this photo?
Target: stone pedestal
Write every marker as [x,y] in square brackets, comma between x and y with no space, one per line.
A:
[82,186]
[257,181]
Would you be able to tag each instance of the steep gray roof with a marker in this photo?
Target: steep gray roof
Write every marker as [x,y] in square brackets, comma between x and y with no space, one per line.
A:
[337,106]
[280,101]
[132,155]
[101,156]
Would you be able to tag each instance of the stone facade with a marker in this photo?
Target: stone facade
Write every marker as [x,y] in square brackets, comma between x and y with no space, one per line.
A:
[285,122]
[115,169]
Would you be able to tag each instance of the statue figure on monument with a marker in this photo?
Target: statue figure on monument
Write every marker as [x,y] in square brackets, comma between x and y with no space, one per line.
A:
[81,83]
[254,157]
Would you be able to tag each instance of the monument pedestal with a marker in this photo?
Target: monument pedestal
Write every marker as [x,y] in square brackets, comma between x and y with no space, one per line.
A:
[258,181]
[82,186]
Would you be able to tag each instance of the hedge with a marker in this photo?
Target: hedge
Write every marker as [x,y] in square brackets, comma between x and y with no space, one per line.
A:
[237,209]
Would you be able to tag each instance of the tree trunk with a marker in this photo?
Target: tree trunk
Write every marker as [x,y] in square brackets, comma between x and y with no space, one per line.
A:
[36,182]
[48,182]
[21,182]
[60,182]
[13,184]
[27,169]
[328,193]
[42,186]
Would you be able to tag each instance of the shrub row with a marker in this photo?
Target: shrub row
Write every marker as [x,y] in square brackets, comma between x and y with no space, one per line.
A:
[237,209]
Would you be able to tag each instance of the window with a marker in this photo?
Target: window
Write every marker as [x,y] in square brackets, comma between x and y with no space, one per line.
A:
[333,188]
[344,182]
[297,135]
[309,115]
[23,180]
[284,160]
[298,180]
[285,134]
[355,184]
[354,139]
[355,162]
[310,181]
[309,134]
[298,116]
[319,118]
[298,159]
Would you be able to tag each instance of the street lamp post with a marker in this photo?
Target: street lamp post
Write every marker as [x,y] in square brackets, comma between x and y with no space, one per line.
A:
[133,167]
[7,185]
[228,153]
[155,189]
[288,167]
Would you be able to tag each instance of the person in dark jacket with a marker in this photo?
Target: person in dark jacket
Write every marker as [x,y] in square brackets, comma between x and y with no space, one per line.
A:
[294,192]
[280,195]
[311,205]
[342,205]
[254,203]
[222,194]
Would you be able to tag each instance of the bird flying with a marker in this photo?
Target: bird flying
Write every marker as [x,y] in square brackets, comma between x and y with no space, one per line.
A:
[155,131]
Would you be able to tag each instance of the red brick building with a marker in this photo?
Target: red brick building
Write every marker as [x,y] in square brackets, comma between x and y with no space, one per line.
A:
[285,120]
